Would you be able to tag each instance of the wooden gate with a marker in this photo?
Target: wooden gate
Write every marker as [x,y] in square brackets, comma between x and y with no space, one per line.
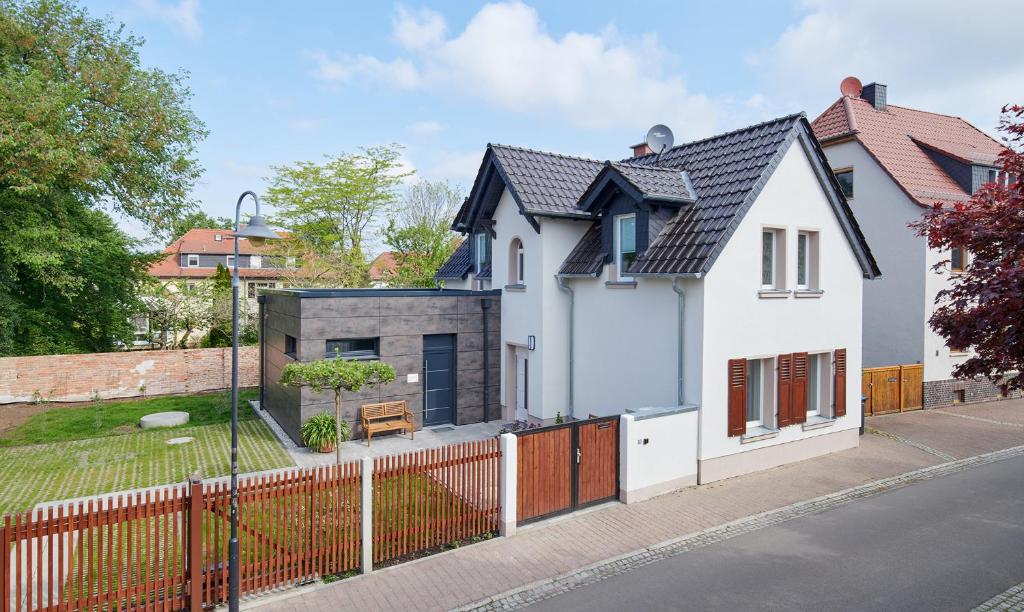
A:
[565,467]
[893,388]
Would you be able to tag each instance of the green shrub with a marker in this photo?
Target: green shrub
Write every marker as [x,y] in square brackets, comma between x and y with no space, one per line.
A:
[318,432]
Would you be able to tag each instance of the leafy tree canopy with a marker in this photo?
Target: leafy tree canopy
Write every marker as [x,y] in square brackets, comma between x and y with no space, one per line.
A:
[83,129]
[983,308]
[419,232]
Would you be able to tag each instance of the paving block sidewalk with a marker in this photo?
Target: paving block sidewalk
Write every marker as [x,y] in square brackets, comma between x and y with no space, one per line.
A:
[566,544]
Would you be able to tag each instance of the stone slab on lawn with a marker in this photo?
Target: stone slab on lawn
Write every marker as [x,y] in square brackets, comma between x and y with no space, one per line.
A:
[163,419]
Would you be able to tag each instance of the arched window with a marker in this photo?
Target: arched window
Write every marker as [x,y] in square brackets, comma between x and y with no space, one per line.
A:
[516,263]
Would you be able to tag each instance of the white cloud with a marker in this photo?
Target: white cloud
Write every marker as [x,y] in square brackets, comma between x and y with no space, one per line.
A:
[936,56]
[183,16]
[425,128]
[456,167]
[343,68]
[419,30]
[504,57]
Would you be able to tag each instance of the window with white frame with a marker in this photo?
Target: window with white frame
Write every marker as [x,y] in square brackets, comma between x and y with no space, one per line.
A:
[193,260]
[231,261]
[755,390]
[819,387]
[773,259]
[517,263]
[252,287]
[807,260]
[482,252]
[625,244]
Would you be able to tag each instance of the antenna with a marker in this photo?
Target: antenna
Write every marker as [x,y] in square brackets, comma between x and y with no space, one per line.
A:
[850,87]
[659,138]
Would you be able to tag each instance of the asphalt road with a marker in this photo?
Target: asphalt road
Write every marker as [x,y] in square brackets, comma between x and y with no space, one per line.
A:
[949,543]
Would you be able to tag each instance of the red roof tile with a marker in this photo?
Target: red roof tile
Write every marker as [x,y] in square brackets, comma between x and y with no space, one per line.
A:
[898,138]
[383,266]
[204,241]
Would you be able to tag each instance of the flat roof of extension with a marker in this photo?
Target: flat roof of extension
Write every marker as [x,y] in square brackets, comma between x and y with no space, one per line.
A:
[370,292]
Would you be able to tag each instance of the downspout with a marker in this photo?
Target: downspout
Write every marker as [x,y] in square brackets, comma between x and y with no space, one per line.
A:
[680,363]
[485,305]
[564,286]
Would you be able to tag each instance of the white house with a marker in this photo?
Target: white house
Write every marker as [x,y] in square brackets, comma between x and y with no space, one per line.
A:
[893,163]
[723,274]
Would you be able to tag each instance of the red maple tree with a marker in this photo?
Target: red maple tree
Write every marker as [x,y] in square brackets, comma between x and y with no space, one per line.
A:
[983,308]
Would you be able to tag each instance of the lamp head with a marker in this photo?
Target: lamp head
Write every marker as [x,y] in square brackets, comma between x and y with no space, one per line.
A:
[256,231]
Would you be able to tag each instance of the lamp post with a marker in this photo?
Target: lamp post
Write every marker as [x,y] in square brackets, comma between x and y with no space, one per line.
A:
[257,232]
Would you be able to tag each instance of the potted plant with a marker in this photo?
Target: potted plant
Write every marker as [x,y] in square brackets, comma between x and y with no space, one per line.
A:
[321,432]
[337,375]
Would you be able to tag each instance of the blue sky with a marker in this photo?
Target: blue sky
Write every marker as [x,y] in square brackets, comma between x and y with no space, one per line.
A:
[278,82]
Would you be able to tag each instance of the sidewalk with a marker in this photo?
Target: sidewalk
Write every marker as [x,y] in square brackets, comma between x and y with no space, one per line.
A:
[546,550]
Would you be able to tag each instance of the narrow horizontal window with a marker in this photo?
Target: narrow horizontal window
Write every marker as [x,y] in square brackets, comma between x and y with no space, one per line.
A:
[354,348]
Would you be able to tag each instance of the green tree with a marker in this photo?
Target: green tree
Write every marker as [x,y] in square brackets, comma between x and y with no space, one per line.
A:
[329,206]
[198,219]
[338,375]
[83,129]
[419,232]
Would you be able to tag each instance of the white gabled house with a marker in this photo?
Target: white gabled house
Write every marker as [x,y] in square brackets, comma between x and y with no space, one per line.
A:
[723,275]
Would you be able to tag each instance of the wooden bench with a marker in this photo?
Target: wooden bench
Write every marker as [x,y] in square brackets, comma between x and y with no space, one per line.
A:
[387,416]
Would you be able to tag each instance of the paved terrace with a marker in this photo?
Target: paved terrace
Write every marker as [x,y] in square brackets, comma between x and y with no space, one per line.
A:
[545,555]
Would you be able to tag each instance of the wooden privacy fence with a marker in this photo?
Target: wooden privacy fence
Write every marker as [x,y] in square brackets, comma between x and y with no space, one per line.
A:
[167,549]
[893,388]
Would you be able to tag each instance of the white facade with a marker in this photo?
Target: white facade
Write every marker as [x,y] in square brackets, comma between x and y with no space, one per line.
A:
[626,339]
[898,305]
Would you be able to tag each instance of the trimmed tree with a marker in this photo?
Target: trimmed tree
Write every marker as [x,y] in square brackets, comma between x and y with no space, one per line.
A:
[338,375]
[982,308]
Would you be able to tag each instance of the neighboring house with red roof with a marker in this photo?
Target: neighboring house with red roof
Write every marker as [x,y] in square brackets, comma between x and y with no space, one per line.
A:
[382,268]
[893,163]
[195,256]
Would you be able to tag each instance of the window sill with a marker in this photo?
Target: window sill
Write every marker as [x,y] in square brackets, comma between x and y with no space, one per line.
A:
[515,288]
[773,293]
[808,293]
[620,284]
[756,434]
[818,422]
[958,354]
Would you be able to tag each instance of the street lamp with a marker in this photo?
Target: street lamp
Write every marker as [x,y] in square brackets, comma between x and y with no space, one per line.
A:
[257,232]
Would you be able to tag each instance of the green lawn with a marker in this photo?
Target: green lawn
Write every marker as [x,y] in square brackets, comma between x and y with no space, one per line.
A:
[95,450]
[118,417]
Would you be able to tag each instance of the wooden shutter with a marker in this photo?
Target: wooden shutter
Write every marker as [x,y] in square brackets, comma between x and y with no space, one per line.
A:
[785,394]
[737,397]
[840,383]
[798,404]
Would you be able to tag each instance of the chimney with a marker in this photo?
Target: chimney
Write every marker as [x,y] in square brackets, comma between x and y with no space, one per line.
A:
[641,149]
[875,94]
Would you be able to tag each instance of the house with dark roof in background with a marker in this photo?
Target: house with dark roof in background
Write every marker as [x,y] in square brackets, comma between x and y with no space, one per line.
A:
[893,163]
[720,278]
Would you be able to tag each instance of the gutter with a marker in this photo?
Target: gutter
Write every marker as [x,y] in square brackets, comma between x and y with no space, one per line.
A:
[680,363]
[564,286]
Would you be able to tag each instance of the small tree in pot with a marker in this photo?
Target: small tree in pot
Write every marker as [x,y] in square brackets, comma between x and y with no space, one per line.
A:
[337,375]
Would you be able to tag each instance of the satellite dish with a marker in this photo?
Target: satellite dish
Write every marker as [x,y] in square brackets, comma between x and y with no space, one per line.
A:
[851,87]
[659,138]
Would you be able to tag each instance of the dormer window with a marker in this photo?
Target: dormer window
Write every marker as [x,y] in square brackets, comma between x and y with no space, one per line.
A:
[193,260]
[482,252]
[625,244]
[218,237]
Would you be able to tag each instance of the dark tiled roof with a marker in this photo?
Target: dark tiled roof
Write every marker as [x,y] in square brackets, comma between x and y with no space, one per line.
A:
[587,257]
[457,265]
[485,271]
[656,183]
[724,170]
[546,183]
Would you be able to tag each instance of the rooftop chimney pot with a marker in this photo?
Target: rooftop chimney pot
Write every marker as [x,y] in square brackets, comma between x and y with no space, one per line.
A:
[641,149]
[875,94]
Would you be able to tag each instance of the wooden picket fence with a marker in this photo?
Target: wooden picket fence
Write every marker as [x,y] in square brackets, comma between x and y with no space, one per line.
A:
[167,548]
[430,498]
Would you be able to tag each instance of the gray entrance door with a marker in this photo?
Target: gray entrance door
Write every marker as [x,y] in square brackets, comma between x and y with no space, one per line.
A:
[438,379]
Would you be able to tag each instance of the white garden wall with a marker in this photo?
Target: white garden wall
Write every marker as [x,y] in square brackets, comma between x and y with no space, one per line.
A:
[657,452]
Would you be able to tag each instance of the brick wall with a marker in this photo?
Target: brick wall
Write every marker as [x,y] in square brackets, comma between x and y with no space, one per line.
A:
[75,378]
[939,393]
